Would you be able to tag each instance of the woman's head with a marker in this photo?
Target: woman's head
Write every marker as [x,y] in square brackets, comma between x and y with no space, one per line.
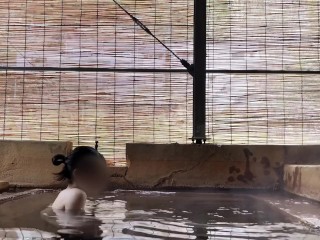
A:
[85,167]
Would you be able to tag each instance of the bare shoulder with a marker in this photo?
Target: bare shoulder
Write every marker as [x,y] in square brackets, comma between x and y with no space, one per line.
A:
[70,199]
[77,192]
[76,199]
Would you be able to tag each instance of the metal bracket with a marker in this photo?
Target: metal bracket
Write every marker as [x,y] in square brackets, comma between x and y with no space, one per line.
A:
[199,140]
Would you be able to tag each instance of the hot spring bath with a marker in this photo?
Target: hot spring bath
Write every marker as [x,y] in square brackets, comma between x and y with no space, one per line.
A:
[153,215]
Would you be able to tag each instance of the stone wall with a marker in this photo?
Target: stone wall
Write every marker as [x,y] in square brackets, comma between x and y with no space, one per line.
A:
[28,163]
[302,154]
[158,166]
[303,180]
[205,166]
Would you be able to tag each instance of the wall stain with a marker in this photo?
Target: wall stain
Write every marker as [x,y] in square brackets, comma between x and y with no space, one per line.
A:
[265,162]
[297,179]
[231,179]
[289,178]
[266,172]
[247,172]
[247,153]
[233,169]
[279,171]
[247,176]
[242,178]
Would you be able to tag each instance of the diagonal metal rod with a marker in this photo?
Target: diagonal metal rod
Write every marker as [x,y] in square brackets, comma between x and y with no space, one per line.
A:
[184,63]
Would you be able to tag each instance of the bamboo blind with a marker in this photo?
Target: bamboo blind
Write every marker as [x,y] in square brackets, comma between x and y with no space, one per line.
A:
[263,108]
[109,105]
[46,93]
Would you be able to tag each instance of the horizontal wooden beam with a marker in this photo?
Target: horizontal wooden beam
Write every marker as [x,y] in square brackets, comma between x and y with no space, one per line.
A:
[155,70]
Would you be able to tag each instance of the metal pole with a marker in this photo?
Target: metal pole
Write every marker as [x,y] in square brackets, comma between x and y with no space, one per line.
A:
[199,79]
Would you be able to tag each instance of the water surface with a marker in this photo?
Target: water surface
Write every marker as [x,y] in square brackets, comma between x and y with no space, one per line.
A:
[158,215]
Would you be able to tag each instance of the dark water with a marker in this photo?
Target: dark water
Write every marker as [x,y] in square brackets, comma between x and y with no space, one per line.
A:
[155,215]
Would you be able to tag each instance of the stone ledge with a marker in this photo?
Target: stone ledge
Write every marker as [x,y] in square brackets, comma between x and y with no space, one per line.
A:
[303,180]
[10,196]
[117,180]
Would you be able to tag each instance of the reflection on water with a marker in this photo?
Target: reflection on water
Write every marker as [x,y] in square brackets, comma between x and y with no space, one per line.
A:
[139,214]
[161,215]
[73,224]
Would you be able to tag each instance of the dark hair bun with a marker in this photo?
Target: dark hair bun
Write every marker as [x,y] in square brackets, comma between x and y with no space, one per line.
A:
[59,159]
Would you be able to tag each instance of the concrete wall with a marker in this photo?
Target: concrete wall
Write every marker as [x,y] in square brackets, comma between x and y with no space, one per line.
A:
[28,163]
[206,166]
[303,180]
